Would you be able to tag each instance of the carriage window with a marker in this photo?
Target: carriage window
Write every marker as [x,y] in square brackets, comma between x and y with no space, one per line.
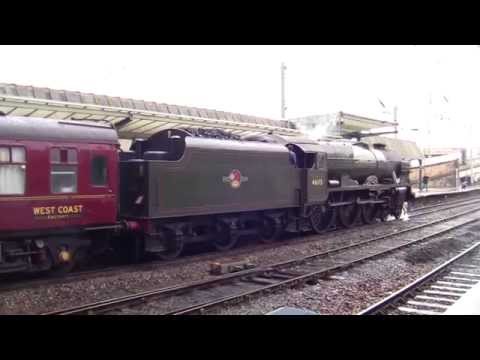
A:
[18,155]
[4,154]
[63,173]
[99,171]
[12,170]
[55,156]
[72,156]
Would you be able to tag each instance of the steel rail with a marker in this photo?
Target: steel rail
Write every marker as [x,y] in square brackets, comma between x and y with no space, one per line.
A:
[444,203]
[414,212]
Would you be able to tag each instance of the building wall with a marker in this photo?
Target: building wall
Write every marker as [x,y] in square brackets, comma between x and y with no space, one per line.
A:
[440,175]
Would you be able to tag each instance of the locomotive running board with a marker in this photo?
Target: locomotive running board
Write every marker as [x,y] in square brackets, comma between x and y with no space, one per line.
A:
[359,202]
[341,203]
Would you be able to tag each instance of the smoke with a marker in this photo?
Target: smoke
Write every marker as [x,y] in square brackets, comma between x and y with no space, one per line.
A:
[317,127]
[316,133]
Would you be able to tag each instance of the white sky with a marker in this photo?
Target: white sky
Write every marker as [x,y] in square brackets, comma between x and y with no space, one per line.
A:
[246,79]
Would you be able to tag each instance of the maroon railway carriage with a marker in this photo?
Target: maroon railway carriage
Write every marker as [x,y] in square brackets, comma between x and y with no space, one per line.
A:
[58,191]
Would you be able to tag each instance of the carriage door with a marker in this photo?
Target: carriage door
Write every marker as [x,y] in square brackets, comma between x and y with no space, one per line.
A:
[315,178]
[103,175]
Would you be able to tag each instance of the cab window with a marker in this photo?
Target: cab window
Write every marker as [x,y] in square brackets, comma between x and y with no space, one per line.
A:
[64,170]
[12,170]
[99,171]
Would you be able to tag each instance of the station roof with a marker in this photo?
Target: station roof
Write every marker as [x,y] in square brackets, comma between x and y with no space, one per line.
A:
[340,122]
[409,150]
[147,117]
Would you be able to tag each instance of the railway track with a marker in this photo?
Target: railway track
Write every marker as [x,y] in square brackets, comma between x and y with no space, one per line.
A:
[435,292]
[197,296]
[16,284]
[424,210]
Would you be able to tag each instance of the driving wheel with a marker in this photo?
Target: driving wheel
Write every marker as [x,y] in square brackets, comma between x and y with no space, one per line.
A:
[348,214]
[224,238]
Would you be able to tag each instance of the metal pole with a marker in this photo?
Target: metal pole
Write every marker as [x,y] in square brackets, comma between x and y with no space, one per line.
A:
[395,121]
[471,154]
[283,68]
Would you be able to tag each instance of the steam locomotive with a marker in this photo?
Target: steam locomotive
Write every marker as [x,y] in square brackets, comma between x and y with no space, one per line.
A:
[67,192]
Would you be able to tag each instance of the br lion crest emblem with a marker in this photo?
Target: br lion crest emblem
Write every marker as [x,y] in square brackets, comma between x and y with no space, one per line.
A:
[235,179]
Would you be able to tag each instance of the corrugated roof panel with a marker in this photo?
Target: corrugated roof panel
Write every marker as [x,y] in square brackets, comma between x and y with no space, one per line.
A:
[162,108]
[101,100]
[203,113]
[151,106]
[128,103]
[139,104]
[43,93]
[115,101]
[73,96]
[236,117]
[87,98]
[58,95]
[6,109]
[173,109]
[10,89]
[194,112]
[26,91]
[80,116]
[61,115]
[229,116]
[21,112]
[220,114]
[183,110]
[42,113]
[212,114]
[96,117]
[135,124]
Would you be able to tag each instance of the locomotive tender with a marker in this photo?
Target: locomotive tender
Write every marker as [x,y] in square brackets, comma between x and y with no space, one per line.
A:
[66,191]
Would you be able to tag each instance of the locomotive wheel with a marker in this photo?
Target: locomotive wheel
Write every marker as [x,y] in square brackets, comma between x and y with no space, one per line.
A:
[383,214]
[369,213]
[269,230]
[348,214]
[224,239]
[321,219]
[173,246]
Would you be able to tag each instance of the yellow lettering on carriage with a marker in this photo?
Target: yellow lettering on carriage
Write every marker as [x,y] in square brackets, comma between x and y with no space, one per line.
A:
[43,210]
[59,210]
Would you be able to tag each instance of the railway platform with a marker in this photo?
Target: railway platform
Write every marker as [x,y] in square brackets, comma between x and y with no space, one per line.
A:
[468,304]
[443,191]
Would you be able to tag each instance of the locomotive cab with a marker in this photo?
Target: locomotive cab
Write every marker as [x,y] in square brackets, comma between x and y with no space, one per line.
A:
[313,173]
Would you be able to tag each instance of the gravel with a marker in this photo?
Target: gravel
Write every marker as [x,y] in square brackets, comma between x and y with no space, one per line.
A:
[348,292]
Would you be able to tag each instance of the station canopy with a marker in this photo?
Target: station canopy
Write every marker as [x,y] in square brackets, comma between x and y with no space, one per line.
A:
[146,117]
[338,123]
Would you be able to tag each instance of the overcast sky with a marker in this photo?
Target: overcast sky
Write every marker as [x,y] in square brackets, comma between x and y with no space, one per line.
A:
[246,79]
